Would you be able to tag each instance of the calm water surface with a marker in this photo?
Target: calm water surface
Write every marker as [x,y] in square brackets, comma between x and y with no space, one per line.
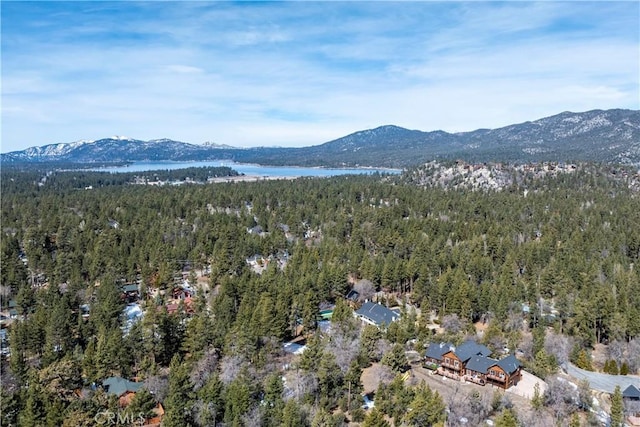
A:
[247,169]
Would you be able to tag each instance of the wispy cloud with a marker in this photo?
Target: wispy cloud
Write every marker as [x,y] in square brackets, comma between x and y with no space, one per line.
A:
[302,73]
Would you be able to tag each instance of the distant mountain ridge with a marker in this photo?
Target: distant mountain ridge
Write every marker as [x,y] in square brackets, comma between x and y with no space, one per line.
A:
[611,136]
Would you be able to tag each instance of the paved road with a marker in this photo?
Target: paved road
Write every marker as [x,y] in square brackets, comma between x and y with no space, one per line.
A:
[603,382]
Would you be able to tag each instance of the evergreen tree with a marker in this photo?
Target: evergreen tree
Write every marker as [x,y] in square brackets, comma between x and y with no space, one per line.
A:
[179,401]
[198,335]
[61,379]
[33,413]
[142,404]
[9,406]
[330,380]
[323,418]
[341,312]
[575,420]
[292,415]
[611,367]
[624,369]
[170,335]
[375,418]
[237,400]
[273,401]
[107,308]
[544,364]
[583,360]
[617,408]
[426,408]
[353,385]
[211,401]
[507,418]
[311,357]
[537,401]
[396,359]
[369,339]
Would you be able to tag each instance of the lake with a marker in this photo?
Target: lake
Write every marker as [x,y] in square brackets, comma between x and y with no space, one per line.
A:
[247,169]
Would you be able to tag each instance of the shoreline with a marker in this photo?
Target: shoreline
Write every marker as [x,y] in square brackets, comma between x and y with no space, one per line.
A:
[248,178]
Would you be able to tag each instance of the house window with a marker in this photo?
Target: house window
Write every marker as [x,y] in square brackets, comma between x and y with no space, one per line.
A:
[456,364]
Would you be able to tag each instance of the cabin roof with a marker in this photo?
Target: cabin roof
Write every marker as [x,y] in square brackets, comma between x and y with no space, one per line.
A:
[480,364]
[377,313]
[631,392]
[437,350]
[468,349]
[119,385]
[509,364]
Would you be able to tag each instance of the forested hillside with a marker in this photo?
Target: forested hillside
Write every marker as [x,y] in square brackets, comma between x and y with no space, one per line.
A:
[543,255]
[611,136]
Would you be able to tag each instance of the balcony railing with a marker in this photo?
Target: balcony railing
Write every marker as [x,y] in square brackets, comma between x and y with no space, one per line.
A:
[452,365]
[494,377]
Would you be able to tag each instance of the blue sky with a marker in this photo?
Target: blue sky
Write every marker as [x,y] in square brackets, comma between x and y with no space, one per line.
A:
[303,73]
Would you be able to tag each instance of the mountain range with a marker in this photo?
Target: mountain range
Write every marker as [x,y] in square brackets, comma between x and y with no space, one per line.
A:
[611,136]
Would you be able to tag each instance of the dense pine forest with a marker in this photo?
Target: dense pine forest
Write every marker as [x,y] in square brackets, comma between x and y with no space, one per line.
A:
[547,263]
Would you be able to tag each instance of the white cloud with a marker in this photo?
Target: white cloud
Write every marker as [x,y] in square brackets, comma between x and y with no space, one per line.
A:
[304,73]
[184,69]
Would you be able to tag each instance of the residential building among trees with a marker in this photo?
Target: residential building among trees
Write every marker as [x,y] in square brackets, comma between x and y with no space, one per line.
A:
[471,362]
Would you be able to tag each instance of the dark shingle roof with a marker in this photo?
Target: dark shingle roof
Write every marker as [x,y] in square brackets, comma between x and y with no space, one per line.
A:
[468,349]
[437,350]
[509,364]
[378,314]
[130,288]
[631,392]
[480,364]
[353,295]
[119,385]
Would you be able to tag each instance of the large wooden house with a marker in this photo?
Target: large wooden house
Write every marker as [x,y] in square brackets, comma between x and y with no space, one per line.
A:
[471,362]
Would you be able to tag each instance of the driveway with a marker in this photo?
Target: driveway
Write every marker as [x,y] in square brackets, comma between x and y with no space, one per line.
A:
[526,385]
[603,382]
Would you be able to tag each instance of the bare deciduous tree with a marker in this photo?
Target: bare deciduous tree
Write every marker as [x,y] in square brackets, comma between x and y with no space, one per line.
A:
[365,289]
[5,291]
[631,407]
[633,355]
[382,347]
[537,419]
[345,347]
[204,368]
[561,398]
[559,346]
[253,417]
[585,398]
[514,322]
[204,413]
[468,408]
[158,385]
[230,368]
[300,383]
[526,346]
[615,350]
[452,323]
